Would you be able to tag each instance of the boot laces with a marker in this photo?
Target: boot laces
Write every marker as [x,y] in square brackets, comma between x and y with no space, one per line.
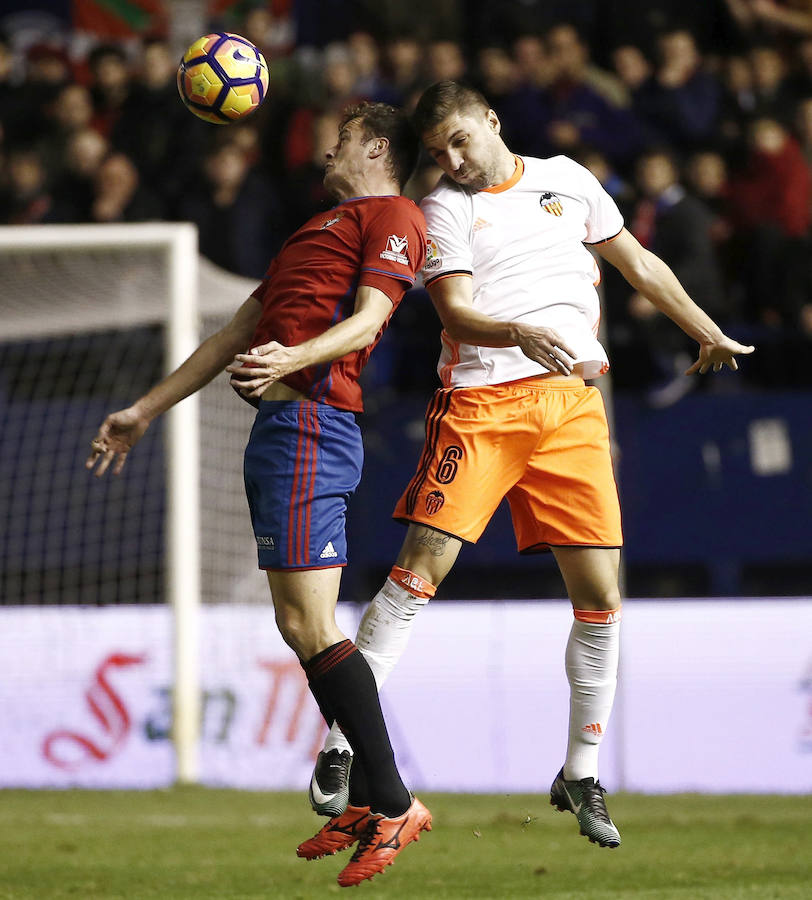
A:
[367,837]
[593,798]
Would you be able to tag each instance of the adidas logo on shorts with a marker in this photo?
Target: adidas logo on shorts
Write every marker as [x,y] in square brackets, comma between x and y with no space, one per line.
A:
[329,551]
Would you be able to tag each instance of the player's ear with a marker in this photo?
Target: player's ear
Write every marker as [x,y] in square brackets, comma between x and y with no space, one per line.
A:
[378,146]
[493,121]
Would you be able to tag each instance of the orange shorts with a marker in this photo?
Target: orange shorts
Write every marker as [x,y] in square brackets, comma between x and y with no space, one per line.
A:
[541,442]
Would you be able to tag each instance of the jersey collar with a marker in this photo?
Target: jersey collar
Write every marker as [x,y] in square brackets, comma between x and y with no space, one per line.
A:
[514,178]
[366,197]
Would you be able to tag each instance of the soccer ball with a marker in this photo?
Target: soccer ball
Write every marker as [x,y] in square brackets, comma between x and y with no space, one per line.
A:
[222,78]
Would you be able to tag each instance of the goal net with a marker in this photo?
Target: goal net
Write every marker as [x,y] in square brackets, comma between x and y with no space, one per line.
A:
[90,318]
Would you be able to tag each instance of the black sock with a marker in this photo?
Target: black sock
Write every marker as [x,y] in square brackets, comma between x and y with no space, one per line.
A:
[359,789]
[343,684]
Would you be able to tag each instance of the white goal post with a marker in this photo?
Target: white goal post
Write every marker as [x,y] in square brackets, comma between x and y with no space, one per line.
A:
[30,316]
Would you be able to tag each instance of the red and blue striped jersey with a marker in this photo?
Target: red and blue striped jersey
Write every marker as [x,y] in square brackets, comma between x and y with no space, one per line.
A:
[310,286]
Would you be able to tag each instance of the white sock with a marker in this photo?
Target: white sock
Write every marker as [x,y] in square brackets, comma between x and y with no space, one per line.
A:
[591,664]
[384,631]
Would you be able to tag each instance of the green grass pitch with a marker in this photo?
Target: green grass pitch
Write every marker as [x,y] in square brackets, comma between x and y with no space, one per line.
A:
[199,843]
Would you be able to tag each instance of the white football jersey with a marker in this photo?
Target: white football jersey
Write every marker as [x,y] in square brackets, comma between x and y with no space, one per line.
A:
[523,244]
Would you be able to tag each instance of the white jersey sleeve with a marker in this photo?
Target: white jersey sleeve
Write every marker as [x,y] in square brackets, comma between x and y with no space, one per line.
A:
[448,228]
[604,221]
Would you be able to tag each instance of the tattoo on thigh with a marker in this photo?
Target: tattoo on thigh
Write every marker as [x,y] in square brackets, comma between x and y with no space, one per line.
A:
[435,543]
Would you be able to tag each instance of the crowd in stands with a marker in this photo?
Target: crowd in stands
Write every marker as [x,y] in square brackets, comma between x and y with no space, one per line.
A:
[700,127]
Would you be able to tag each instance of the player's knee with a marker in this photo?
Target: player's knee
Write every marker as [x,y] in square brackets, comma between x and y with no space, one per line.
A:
[300,634]
[598,597]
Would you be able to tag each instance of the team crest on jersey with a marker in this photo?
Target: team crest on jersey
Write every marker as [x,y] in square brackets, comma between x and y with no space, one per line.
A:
[336,218]
[433,258]
[551,204]
[434,502]
[396,248]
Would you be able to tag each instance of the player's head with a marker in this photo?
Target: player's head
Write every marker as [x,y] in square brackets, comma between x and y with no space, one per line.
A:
[461,133]
[372,137]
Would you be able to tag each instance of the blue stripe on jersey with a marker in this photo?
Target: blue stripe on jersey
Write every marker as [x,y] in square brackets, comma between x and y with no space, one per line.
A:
[404,277]
[323,383]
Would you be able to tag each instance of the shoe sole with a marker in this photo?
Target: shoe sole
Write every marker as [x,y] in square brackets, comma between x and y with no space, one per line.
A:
[330,810]
[323,855]
[557,803]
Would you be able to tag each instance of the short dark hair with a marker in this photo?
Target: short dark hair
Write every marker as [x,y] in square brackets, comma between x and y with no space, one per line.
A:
[103,51]
[443,99]
[383,120]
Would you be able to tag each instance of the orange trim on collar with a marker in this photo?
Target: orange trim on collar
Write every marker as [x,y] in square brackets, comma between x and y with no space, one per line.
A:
[506,185]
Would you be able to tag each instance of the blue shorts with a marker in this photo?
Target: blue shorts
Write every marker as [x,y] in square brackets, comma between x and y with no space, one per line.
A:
[302,463]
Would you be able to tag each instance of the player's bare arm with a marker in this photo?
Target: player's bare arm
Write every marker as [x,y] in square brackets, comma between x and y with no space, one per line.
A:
[648,274]
[121,430]
[453,300]
[253,372]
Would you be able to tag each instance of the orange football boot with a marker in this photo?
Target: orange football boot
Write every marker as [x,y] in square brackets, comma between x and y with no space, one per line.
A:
[338,834]
[382,840]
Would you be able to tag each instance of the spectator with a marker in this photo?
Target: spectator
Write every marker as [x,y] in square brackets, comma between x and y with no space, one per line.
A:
[632,67]
[579,114]
[304,190]
[497,73]
[641,22]
[9,102]
[770,208]
[24,106]
[153,128]
[570,57]
[110,85]
[533,62]
[337,90]
[26,199]
[773,97]
[676,227]
[707,177]
[524,113]
[269,30]
[680,104]
[404,67]
[73,193]
[773,16]
[119,195]
[366,59]
[238,214]
[738,102]
[70,111]
[445,62]
[803,126]
[611,181]
[801,77]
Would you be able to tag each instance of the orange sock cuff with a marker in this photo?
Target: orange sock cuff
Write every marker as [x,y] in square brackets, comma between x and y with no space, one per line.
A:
[598,616]
[414,584]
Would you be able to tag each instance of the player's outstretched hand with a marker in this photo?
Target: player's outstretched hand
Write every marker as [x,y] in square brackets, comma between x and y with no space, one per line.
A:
[546,347]
[253,372]
[721,353]
[117,435]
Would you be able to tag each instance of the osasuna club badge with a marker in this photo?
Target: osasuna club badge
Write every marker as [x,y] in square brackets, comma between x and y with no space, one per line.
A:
[551,204]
